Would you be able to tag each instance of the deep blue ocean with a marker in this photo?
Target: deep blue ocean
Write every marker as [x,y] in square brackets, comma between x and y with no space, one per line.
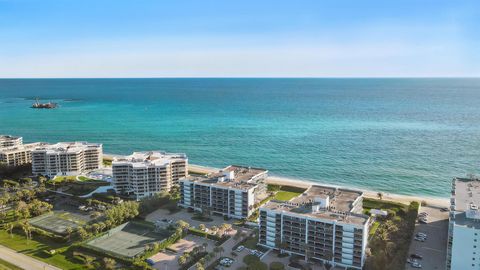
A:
[408,136]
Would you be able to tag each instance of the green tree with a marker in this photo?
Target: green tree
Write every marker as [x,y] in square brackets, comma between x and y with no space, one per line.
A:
[69,232]
[199,266]
[109,263]
[182,260]
[82,233]
[9,227]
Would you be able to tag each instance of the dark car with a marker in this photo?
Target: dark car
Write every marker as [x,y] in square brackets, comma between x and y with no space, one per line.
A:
[416,256]
[444,209]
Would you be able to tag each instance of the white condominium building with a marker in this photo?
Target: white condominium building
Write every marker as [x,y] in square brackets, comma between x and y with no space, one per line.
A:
[66,158]
[463,247]
[143,174]
[9,141]
[18,154]
[233,192]
[323,224]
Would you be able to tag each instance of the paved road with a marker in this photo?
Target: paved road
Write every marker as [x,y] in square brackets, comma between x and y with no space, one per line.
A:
[434,250]
[23,261]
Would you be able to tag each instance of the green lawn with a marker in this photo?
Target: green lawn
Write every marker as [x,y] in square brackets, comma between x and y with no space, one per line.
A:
[84,178]
[285,195]
[59,179]
[37,250]
[4,265]
[374,228]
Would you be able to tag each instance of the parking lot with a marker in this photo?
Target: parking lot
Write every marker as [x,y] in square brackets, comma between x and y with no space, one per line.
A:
[161,214]
[434,249]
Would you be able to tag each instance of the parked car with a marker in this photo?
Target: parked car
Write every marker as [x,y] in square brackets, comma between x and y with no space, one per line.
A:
[416,265]
[240,248]
[416,256]
[420,239]
[421,235]
[444,209]
[423,220]
[150,262]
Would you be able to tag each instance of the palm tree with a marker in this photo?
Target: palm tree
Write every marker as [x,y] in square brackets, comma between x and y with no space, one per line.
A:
[182,260]
[27,230]
[9,227]
[109,263]
[69,231]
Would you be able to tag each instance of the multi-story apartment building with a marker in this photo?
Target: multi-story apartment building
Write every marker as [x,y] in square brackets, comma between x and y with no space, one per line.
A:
[232,192]
[66,158]
[463,246]
[324,224]
[143,174]
[18,154]
[10,141]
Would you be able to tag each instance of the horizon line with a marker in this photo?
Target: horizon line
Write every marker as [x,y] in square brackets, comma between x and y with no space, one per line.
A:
[247,77]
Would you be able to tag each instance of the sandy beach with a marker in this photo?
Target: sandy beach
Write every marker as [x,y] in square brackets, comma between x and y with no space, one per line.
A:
[276,180]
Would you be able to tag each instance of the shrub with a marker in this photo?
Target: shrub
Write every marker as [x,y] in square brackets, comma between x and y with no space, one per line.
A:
[276,266]
[257,266]
[250,259]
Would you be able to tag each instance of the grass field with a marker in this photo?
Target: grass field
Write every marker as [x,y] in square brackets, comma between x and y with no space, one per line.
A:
[4,265]
[59,179]
[285,195]
[86,179]
[38,250]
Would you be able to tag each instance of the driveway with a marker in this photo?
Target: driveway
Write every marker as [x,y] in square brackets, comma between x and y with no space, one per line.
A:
[23,261]
[434,249]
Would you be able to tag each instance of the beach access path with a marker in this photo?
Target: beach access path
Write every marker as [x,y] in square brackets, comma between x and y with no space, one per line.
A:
[275,180]
[23,261]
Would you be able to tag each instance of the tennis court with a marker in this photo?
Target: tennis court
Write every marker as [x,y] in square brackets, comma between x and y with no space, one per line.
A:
[129,239]
[59,221]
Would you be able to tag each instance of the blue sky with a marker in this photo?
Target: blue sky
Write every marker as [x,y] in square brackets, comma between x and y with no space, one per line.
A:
[107,38]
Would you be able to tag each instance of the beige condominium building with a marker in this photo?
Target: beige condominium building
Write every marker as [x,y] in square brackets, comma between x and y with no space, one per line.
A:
[233,192]
[463,247]
[18,154]
[323,224]
[143,174]
[9,141]
[66,158]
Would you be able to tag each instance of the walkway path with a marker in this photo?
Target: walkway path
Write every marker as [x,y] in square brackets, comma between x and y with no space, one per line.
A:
[23,261]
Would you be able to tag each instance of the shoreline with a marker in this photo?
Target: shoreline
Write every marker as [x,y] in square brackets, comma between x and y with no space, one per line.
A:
[285,181]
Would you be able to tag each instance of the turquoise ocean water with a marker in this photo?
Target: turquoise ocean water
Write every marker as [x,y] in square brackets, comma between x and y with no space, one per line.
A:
[408,136]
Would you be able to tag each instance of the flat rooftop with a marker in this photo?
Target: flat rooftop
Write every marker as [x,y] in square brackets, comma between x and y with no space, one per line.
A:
[341,204]
[67,147]
[150,158]
[23,147]
[9,137]
[243,177]
[466,194]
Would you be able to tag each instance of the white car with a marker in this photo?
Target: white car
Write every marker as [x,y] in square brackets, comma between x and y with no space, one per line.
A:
[240,248]
[421,239]
[416,265]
